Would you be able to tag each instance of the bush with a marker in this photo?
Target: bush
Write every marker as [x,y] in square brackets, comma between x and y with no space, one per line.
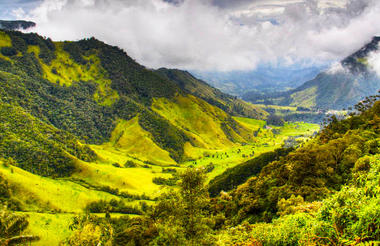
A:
[275,120]
[114,206]
[8,51]
[130,164]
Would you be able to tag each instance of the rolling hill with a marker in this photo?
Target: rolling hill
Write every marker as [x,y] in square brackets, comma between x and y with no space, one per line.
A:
[341,87]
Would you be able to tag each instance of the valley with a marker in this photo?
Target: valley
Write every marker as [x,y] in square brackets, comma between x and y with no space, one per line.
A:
[96,149]
[53,203]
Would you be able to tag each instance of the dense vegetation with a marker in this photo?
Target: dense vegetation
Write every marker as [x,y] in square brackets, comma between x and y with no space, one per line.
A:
[56,97]
[199,88]
[237,175]
[84,87]
[313,171]
[37,147]
[323,193]
[12,227]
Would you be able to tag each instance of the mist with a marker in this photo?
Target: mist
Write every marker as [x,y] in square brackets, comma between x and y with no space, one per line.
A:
[214,35]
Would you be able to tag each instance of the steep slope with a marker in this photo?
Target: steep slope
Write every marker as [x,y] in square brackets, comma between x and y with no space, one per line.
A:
[199,88]
[339,87]
[316,169]
[100,95]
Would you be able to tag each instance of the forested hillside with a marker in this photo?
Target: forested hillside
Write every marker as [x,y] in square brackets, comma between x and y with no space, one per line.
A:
[325,192]
[85,88]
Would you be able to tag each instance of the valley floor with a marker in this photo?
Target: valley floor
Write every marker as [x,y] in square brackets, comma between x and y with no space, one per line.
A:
[52,203]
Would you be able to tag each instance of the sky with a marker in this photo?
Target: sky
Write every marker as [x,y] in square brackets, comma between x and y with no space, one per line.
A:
[212,35]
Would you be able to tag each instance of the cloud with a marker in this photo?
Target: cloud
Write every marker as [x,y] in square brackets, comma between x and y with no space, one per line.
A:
[215,34]
[374,62]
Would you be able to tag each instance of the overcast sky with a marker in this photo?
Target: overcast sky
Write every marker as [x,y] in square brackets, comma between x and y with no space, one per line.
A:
[218,35]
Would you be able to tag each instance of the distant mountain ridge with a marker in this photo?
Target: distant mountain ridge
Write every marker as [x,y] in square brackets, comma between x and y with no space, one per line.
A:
[336,88]
[16,24]
[265,78]
[201,89]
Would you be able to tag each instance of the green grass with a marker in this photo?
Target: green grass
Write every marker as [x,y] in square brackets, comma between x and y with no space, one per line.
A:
[64,71]
[39,193]
[198,119]
[130,140]
[307,98]
[252,124]
[71,194]
[5,40]
[51,228]
[276,107]
[264,142]
[133,180]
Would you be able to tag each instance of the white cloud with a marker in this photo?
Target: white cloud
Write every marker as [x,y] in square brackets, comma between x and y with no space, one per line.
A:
[374,62]
[215,34]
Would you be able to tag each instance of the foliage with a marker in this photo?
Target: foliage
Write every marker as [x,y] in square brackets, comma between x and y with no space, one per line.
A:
[8,51]
[37,146]
[349,217]
[275,120]
[12,227]
[114,206]
[90,230]
[179,218]
[312,171]
[237,175]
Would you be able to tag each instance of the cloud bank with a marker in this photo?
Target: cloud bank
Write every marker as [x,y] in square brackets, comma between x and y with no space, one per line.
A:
[215,34]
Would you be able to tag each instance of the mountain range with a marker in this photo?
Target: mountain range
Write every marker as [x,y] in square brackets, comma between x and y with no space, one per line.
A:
[336,88]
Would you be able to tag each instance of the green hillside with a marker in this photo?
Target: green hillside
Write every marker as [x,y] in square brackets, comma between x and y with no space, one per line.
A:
[199,88]
[87,87]
[331,89]
[84,128]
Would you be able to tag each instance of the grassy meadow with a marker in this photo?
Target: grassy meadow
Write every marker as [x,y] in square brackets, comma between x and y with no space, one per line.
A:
[66,197]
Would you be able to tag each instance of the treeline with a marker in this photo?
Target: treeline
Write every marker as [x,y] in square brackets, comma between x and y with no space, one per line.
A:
[239,174]
[36,146]
[112,206]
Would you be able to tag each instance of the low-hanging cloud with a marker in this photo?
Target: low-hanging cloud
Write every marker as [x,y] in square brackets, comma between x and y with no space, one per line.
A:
[213,34]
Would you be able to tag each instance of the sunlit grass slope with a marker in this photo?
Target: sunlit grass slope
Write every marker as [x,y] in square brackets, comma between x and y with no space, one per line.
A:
[202,122]
[137,180]
[64,71]
[5,41]
[305,98]
[51,228]
[39,193]
[132,140]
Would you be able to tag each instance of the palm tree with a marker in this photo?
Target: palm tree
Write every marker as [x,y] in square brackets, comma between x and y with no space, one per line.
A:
[11,228]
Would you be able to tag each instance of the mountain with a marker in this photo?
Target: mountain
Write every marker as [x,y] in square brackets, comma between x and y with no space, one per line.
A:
[16,24]
[74,93]
[265,78]
[339,87]
[231,104]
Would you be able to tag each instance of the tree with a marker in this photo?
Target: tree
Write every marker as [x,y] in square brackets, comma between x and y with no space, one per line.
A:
[89,230]
[181,218]
[12,227]
[275,120]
